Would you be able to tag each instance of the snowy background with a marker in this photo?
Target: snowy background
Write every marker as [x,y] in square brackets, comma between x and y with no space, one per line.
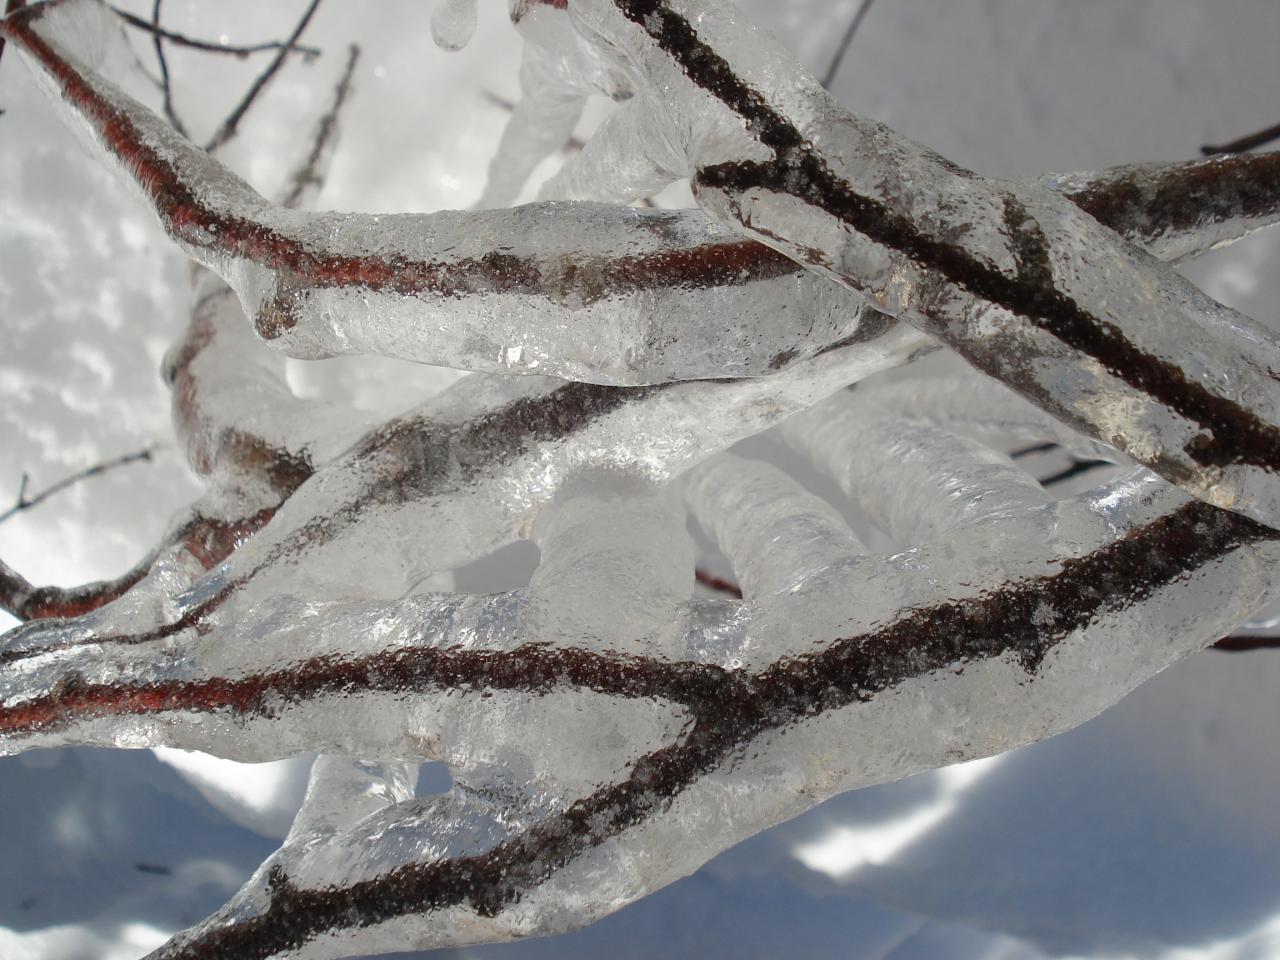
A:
[1148,832]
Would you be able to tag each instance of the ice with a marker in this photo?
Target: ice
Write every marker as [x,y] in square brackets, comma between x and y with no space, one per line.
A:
[918,482]
[453,24]
[583,699]
[1026,287]
[607,732]
[774,532]
[577,291]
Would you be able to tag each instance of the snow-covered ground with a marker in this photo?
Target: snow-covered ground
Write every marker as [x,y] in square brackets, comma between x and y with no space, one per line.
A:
[1147,832]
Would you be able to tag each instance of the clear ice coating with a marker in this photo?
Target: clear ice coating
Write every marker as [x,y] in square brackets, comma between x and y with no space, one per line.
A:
[607,728]
[454,23]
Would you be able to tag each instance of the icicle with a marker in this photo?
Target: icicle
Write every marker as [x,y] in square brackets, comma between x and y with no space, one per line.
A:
[453,24]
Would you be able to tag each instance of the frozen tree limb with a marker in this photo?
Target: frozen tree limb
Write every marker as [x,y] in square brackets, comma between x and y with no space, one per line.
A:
[607,733]
[1124,580]
[244,431]
[1010,276]
[586,293]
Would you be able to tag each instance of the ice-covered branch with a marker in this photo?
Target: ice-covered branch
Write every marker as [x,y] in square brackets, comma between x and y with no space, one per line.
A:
[1123,594]
[579,291]
[1136,571]
[488,455]
[1016,279]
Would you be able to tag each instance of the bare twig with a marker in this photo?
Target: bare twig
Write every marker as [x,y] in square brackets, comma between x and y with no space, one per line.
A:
[1034,448]
[719,584]
[1244,642]
[230,125]
[166,89]
[238,50]
[499,101]
[26,503]
[1250,142]
[834,66]
[1075,469]
[310,175]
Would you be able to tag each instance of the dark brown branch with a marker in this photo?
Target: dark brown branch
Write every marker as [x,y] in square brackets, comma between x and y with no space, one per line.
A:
[237,50]
[26,503]
[1250,142]
[1156,203]
[231,124]
[833,67]
[27,602]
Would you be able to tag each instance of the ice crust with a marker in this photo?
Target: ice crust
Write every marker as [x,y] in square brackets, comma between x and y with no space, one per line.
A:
[608,731]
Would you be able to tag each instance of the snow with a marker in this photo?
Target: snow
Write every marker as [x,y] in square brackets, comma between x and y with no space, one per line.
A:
[1147,832]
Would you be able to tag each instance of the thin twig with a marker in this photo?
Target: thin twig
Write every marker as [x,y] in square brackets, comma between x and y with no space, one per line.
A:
[718,584]
[238,50]
[499,101]
[1034,448]
[1245,642]
[834,66]
[26,503]
[1076,468]
[230,125]
[166,88]
[1251,142]
[310,175]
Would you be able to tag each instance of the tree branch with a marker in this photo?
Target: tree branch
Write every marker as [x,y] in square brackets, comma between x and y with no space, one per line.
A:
[230,126]
[238,50]
[1247,642]
[1250,142]
[166,89]
[26,503]
[837,58]
[308,178]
